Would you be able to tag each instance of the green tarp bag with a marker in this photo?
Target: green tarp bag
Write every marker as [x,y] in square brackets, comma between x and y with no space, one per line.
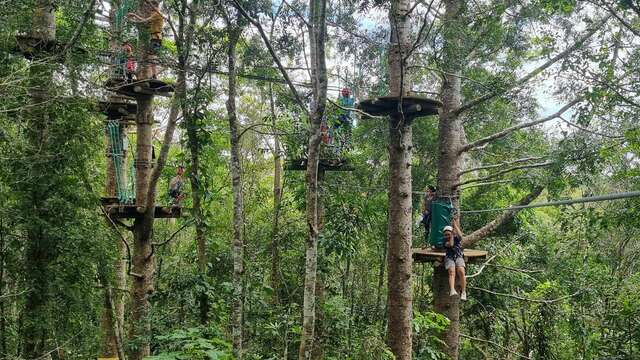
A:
[441,213]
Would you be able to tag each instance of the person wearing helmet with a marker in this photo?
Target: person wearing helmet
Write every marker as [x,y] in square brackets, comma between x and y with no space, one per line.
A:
[342,126]
[454,259]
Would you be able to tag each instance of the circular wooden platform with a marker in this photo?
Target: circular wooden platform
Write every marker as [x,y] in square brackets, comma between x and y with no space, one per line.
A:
[422,255]
[412,106]
[140,88]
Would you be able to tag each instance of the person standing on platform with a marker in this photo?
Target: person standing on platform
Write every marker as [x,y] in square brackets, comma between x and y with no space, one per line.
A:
[342,124]
[175,187]
[155,21]
[429,195]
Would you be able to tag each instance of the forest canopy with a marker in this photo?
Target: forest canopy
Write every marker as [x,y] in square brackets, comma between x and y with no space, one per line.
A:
[250,179]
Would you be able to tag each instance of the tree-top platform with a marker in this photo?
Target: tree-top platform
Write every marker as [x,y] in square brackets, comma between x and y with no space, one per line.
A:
[423,255]
[323,165]
[412,106]
[30,46]
[129,211]
[140,88]
[117,109]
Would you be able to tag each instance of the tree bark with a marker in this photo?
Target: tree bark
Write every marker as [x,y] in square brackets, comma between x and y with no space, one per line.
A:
[236,181]
[400,296]
[3,319]
[191,123]
[112,318]
[40,252]
[317,34]
[143,261]
[277,198]
[451,135]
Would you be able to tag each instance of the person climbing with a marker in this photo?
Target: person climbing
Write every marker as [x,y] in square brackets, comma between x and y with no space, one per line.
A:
[454,259]
[155,21]
[175,187]
[130,62]
[342,124]
[430,193]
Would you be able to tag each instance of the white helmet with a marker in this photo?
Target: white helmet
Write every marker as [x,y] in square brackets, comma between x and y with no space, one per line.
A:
[447,228]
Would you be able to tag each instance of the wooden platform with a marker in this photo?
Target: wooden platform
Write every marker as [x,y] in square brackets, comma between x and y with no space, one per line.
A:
[422,255]
[29,47]
[118,109]
[118,211]
[140,88]
[412,106]
[324,164]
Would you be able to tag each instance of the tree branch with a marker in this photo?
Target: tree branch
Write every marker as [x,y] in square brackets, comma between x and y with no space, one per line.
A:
[496,345]
[126,243]
[621,20]
[505,181]
[275,57]
[481,268]
[511,129]
[538,70]
[505,171]
[537,301]
[469,240]
[506,163]
[76,34]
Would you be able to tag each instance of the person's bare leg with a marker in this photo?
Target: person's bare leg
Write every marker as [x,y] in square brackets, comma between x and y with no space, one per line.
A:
[463,281]
[452,281]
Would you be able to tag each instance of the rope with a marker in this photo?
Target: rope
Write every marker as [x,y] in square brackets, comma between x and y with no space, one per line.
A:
[607,197]
[121,15]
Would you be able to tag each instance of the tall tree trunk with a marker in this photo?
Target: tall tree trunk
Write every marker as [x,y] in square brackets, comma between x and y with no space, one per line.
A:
[317,32]
[3,321]
[191,120]
[112,319]
[40,252]
[236,183]
[400,295]
[277,198]
[451,133]
[143,262]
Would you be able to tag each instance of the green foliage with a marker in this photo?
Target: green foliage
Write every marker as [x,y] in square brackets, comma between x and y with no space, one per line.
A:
[427,327]
[192,343]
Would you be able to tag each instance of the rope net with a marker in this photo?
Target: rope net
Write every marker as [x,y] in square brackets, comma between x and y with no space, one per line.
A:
[125,188]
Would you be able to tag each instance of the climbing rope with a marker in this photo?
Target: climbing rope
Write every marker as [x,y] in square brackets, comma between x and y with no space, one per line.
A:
[121,15]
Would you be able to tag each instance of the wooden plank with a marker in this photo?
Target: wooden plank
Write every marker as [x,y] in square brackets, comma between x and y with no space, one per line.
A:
[422,255]
[117,211]
[324,164]
[140,88]
[130,212]
[412,106]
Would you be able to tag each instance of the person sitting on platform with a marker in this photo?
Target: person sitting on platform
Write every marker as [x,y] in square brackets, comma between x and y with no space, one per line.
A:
[175,187]
[430,193]
[155,21]
[454,259]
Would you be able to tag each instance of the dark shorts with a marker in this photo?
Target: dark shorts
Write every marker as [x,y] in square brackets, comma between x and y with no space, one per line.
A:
[155,46]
